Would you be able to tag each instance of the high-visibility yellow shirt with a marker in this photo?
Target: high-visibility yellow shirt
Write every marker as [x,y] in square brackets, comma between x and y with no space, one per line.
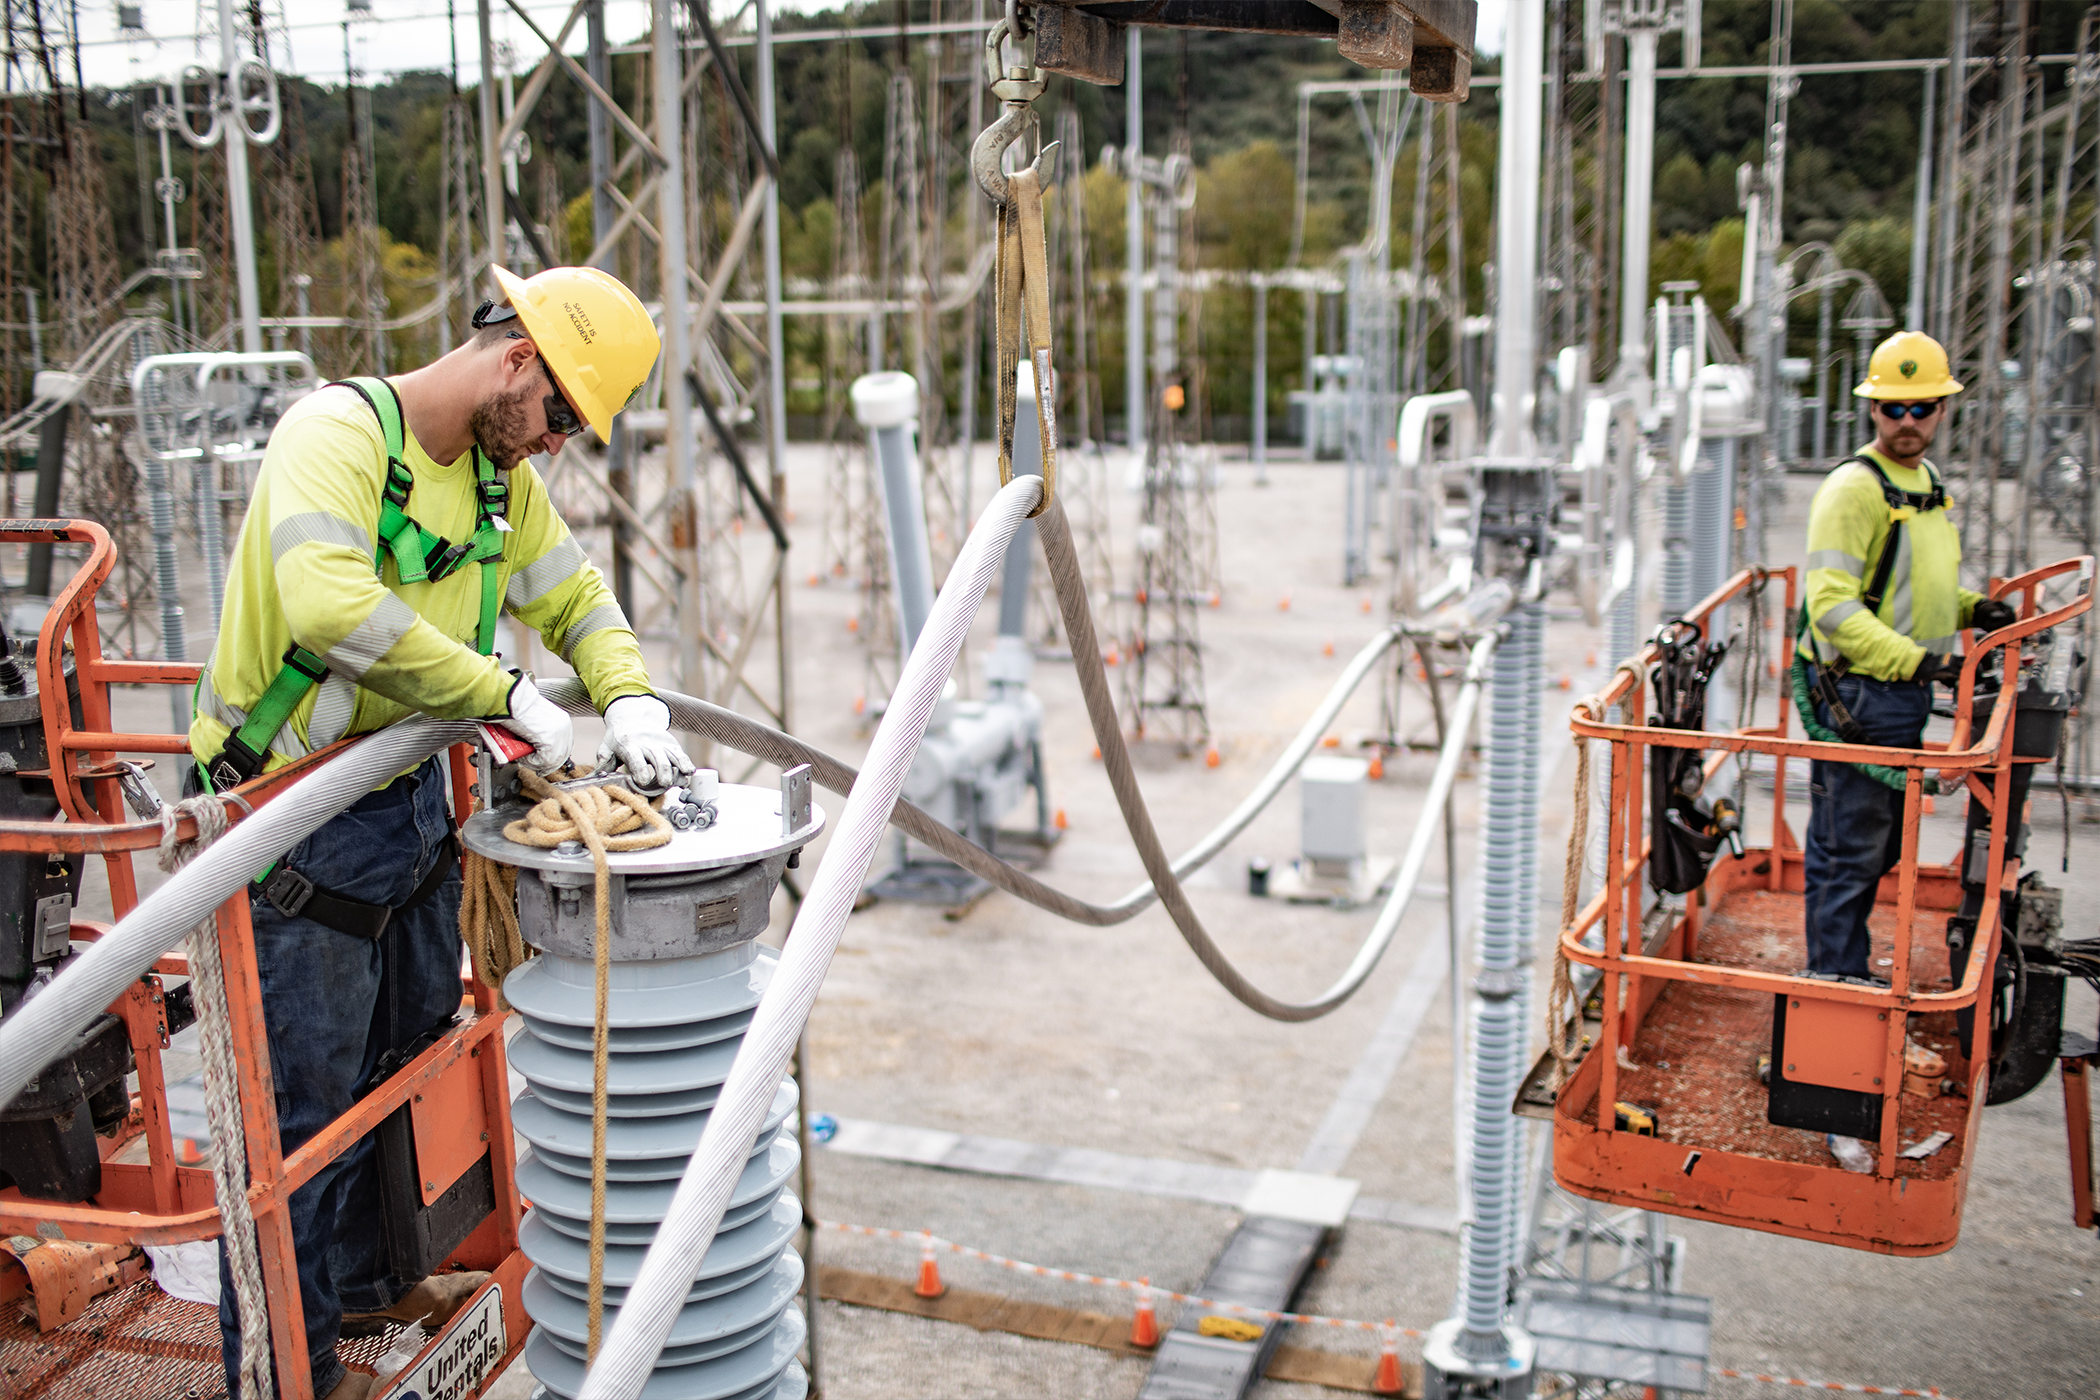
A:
[1924,605]
[302,572]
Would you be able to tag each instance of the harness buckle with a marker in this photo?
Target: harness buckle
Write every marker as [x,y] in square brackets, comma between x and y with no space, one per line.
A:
[236,764]
[288,891]
[444,557]
[399,482]
[292,658]
[495,497]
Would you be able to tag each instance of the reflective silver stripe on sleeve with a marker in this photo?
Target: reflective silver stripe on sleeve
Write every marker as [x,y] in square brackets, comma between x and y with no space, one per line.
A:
[333,707]
[1899,585]
[373,638]
[596,620]
[1836,559]
[317,527]
[544,574]
[1830,621]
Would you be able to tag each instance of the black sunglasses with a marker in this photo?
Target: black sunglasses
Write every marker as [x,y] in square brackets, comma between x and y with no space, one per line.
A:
[562,416]
[1900,411]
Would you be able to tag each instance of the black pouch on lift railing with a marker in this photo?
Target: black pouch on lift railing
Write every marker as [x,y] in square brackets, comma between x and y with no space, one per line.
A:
[418,1237]
[1687,830]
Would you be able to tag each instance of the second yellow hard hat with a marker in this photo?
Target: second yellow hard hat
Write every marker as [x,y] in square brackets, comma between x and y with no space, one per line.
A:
[1908,365]
[593,332]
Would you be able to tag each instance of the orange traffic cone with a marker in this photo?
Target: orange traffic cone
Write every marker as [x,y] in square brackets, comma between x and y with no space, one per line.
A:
[1367,604]
[1377,764]
[1327,647]
[1059,821]
[1144,1328]
[1388,1380]
[1283,604]
[1210,757]
[929,1284]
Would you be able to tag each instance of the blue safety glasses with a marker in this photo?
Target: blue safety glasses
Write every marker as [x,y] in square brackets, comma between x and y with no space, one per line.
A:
[1900,411]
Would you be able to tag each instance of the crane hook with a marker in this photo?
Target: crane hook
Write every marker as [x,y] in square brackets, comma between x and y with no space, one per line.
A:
[1017,86]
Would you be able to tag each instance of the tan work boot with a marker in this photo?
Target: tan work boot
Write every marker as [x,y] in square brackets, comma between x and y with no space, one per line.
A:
[355,1385]
[430,1303]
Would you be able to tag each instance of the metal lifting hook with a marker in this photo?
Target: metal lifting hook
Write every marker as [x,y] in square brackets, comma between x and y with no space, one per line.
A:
[1017,86]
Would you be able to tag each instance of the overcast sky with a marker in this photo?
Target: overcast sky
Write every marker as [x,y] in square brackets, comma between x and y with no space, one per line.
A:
[396,36]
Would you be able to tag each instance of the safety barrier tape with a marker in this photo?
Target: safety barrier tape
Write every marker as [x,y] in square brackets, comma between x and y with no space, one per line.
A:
[929,1241]
[1930,1392]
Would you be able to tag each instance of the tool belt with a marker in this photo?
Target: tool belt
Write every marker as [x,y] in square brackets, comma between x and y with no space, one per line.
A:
[296,897]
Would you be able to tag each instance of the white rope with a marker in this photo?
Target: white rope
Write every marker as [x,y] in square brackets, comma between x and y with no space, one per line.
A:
[222,1103]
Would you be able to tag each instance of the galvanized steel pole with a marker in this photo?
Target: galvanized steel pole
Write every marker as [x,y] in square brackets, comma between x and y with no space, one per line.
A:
[619,471]
[239,212]
[1641,39]
[1517,231]
[776,341]
[1134,247]
[491,154]
[666,80]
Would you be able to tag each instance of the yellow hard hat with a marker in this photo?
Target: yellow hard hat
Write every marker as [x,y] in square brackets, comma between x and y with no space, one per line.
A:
[592,331]
[1908,365]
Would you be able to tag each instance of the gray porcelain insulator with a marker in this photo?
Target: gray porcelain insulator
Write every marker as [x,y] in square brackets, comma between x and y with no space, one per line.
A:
[686,975]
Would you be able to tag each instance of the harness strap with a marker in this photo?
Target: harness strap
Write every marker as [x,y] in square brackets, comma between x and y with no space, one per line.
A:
[248,748]
[1023,281]
[296,897]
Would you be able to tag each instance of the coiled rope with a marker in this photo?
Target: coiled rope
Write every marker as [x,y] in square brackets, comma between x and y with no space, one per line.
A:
[604,818]
[222,1101]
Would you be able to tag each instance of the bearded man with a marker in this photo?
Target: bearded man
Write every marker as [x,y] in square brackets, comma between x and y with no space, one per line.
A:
[350,607]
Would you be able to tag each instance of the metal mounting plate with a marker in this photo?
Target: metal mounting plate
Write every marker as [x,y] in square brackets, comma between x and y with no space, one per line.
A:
[747,830]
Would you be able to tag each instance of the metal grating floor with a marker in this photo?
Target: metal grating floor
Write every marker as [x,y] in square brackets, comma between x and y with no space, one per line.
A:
[135,1344]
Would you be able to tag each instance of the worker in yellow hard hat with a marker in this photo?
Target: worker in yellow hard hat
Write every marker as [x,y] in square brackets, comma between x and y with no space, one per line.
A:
[1879,628]
[393,520]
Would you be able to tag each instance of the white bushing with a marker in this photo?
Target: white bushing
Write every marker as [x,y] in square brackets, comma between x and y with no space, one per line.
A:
[677,1008]
[888,399]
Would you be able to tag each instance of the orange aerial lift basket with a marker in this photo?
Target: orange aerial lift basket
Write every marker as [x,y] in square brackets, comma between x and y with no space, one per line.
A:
[88,1324]
[1666,1109]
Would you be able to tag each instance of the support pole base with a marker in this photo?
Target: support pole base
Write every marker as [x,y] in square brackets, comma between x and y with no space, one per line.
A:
[1449,1374]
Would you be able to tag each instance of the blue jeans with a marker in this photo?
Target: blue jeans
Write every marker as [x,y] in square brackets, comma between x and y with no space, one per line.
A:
[334,1003]
[1855,825]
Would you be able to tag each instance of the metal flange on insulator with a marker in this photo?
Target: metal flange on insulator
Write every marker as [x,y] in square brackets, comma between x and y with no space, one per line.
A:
[687,973]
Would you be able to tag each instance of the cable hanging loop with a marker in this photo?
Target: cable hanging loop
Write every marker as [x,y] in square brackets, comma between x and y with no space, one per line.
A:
[1022,276]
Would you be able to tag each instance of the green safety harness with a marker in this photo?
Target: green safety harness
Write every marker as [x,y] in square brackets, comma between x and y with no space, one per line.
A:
[419,556]
[1903,506]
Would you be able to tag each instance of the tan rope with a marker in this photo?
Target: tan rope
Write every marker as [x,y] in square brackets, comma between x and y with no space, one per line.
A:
[1563,1042]
[601,818]
[488,920]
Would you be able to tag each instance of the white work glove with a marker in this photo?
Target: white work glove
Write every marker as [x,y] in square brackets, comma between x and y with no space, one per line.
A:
[638,738]
[541,723]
